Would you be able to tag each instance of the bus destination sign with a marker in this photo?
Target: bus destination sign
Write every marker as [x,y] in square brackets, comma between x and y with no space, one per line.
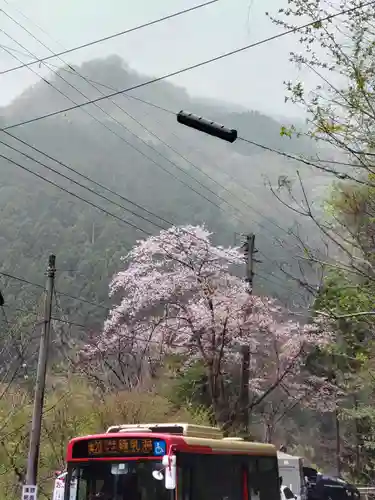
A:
[116,447]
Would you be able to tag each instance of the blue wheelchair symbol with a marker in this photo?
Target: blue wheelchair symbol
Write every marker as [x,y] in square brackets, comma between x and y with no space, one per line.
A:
[159,448]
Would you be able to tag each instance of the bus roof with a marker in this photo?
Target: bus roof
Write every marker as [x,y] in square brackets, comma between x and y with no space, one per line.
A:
[207,440]
[182,429]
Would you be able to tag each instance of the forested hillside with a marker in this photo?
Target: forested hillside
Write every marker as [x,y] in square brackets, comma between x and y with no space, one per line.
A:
[178,175]
[151,312]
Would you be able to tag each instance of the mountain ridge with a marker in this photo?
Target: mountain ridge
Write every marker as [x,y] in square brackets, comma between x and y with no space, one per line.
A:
[176,173]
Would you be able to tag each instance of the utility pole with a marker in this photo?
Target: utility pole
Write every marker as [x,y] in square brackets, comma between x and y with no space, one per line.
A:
[230,135]
[249,250]
[29,491]
[334,380]
[244,388]
[338,442]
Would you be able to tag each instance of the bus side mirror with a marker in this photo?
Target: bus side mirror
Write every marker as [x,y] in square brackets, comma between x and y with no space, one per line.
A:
[170,471]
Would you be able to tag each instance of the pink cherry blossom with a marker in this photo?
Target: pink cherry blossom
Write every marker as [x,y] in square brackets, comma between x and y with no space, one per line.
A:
[177,293]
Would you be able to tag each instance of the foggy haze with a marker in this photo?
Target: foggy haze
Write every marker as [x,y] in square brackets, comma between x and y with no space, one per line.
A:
[253,79]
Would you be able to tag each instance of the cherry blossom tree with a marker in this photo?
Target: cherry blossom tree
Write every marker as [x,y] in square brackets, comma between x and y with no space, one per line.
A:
[180,294]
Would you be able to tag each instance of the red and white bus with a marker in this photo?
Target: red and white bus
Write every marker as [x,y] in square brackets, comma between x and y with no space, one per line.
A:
[169,462]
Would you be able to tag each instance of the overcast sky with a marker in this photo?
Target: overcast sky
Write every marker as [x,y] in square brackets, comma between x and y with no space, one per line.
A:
[253,78]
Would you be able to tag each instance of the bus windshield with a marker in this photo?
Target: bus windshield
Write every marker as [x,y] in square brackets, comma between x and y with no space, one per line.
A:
[127,480]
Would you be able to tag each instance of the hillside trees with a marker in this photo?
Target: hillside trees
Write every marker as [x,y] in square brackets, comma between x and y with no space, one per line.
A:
[340,53]
[347,297]
[340,113]
[179,294]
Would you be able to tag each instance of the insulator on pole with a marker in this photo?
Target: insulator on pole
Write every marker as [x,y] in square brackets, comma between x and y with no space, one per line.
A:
[207,126]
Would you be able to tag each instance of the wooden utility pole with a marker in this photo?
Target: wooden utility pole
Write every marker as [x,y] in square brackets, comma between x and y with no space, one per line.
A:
[334,380]
[244,388]
[249,249]
[36,423]
[338,442]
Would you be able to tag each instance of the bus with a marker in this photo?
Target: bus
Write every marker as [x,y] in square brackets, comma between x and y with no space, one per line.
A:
[169,462]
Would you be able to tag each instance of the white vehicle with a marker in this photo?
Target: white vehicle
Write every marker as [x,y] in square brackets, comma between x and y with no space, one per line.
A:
[285,492]
[291,470]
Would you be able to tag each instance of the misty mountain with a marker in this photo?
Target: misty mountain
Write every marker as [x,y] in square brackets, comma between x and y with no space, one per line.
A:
[139,151]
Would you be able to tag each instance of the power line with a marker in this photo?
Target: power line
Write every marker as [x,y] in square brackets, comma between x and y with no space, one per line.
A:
[74,194]
[87,177]
[247,204]
[38,285]
[87,188]
[191,67]
[13,7]
[80,299]
[151,132]
[63,175]
[139,138]
[161,108]
[104,39]
[22,280]
[102,186]
[81,185]
[146,130]
[72,71]
[126,199]
[301,160]
[136,121]
[169,111]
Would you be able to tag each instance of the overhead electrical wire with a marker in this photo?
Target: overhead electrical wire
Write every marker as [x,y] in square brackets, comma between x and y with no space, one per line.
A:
[117,194]
[92,191]
[112,131]
[31,34]
[79,197]
[72,71]
[161,108]
[187,160]
[140,139]
[284,154]
[169,111]
[22,280]
[326,169]
[245,203]
[100,185]
[78,173]
[80,299]
[174,150]
[149,131]
[133,118]
[110,37]
[287,155]
[84,187]
[193,66]
[75,195]
[38,285]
